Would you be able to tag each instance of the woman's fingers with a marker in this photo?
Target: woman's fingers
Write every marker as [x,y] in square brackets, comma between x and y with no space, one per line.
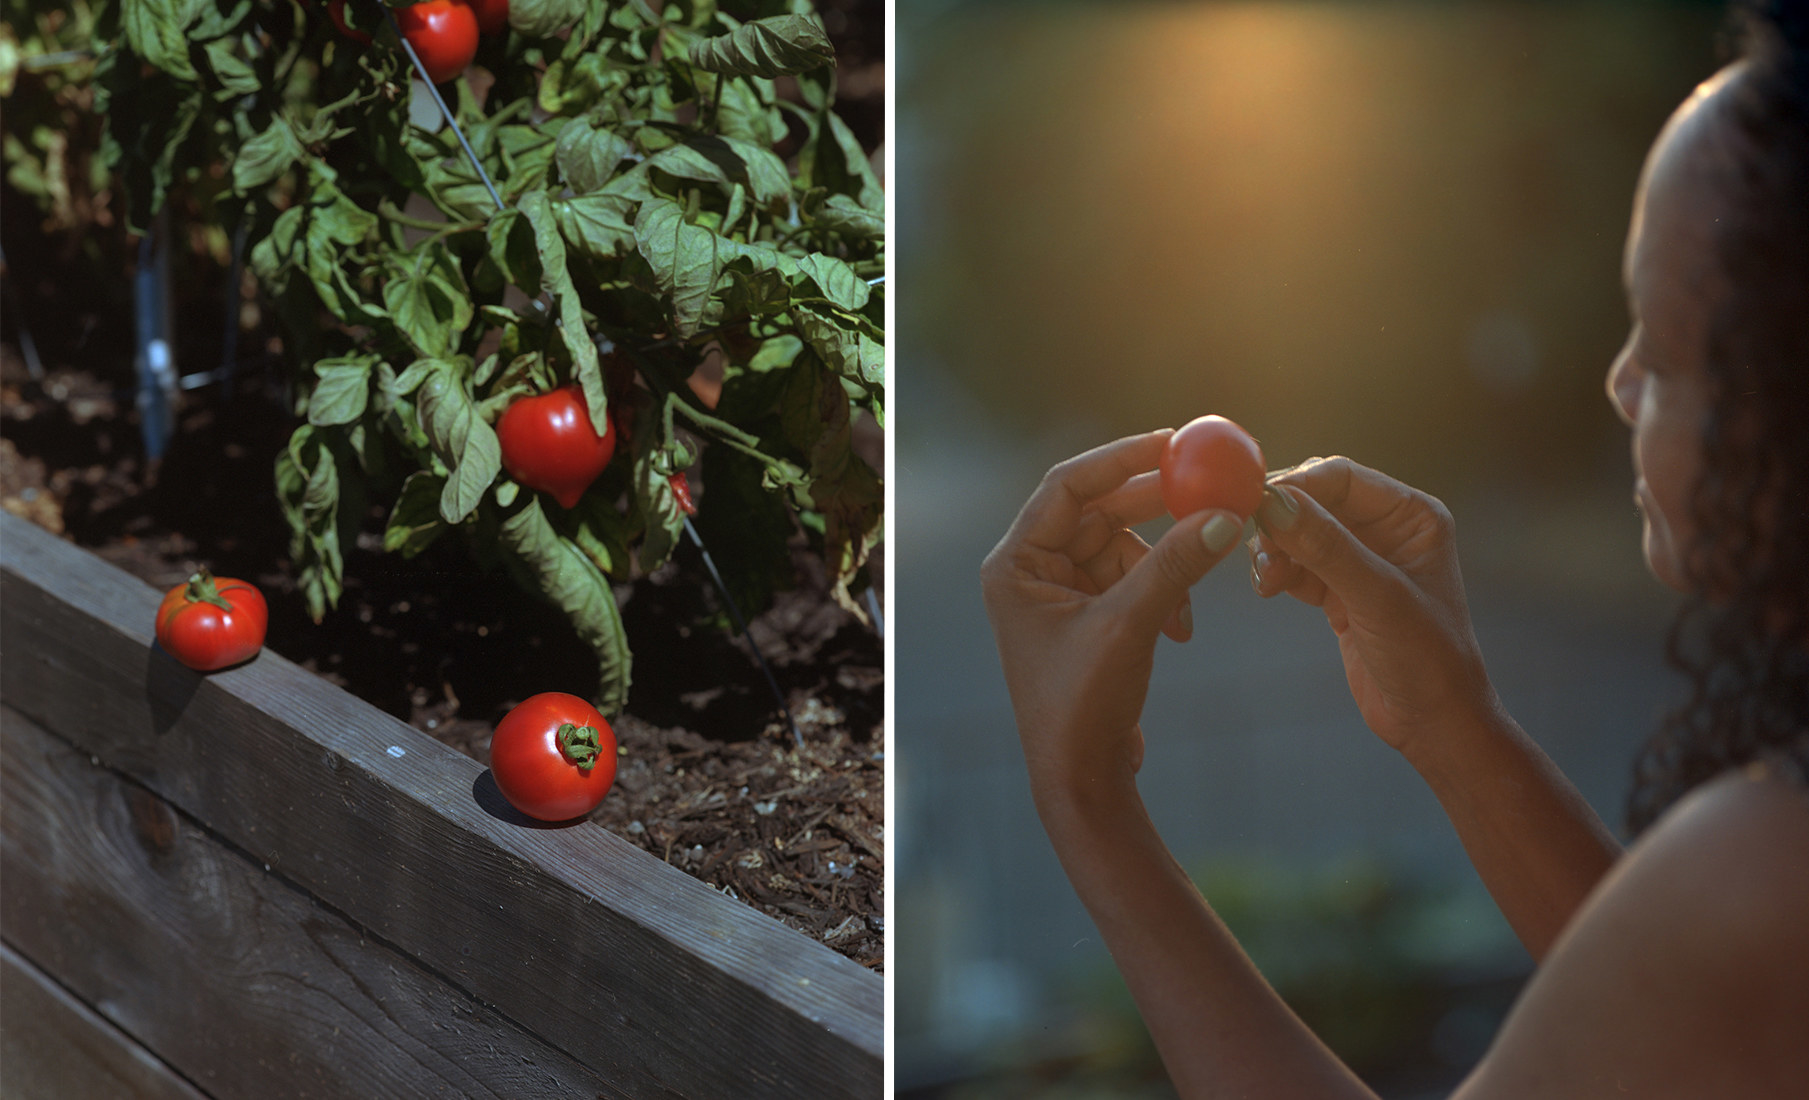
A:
[1052,516]
[1352,492]
[1138,500]
[1153,591]
[1273,573]
[1314,541]
[1119,557]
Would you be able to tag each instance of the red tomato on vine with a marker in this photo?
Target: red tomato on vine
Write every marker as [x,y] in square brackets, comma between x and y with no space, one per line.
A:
[554,757]
[492,16]
[208,623]
[1212,463]
[548,444]
[444,35]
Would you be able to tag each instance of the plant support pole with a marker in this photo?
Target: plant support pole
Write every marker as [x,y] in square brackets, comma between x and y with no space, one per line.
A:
[741,624]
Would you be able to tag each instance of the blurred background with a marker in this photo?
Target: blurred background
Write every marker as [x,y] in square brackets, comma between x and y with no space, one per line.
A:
[1383,229]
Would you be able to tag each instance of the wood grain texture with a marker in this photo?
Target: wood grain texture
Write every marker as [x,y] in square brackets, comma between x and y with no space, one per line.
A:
[54,1047]
[235,977]
[658,983]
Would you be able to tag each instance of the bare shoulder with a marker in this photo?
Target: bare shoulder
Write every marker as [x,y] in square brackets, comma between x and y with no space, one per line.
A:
[1686,973]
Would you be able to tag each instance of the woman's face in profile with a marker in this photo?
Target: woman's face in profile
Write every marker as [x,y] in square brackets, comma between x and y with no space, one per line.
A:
[1660,383]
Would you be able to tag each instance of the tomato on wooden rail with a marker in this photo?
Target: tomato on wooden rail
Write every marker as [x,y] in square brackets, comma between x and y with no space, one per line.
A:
[210,622]
[554,757]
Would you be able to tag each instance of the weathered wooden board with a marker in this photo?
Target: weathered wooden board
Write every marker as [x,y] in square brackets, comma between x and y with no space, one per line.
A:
[659,984]
[235,977]
[54,1047]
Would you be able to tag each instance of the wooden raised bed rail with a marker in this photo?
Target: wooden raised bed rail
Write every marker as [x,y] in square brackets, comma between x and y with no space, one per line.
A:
[253,884]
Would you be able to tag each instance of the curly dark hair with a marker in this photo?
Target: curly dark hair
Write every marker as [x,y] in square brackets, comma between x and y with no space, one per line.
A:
[1742,637]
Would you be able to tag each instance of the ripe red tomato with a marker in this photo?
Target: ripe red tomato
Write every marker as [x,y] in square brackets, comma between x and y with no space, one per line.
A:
[681,491]
[208,623]
[548,444]
[553,756]
[1212,463]
[492,16]
[443,33]
[336,11]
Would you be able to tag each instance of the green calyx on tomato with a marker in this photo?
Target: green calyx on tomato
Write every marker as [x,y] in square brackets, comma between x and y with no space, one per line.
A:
[210,622]
[553,756]
[579,744]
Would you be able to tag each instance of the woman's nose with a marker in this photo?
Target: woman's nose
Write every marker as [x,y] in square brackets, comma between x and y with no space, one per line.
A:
[1624,379]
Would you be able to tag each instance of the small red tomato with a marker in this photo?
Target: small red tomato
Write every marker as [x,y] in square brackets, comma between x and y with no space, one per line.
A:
[443,33]
[548,444]
[553,756]
[1212,463]
[492,16]
[209,623]
[681,491]
[336,11]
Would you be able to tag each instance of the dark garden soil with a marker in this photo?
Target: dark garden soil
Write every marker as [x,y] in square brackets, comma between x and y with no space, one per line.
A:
[710,779]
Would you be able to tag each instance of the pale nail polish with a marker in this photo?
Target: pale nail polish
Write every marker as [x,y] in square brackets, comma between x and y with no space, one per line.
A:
[1220,532]
[1278,512]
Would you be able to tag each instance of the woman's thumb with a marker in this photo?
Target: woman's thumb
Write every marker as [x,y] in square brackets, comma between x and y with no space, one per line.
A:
[1153,588]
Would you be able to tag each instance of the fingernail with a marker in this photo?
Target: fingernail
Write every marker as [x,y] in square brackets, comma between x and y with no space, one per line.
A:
[1278,512]
[1220,532]
[1187,616]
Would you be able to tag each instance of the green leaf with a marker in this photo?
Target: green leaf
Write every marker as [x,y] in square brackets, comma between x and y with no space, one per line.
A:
[544,18]
[587,155]
[511,241]
[566,576]
[684,258]
[852,352]
[266,156]
[342,391]
[415,520]
[235,76]
[838,282]
[157,30]
[775,46]
[428,300]
[572,330]
[841,214]
[844,490]
[460,437]
[832,158]
[597,225]
[277,250]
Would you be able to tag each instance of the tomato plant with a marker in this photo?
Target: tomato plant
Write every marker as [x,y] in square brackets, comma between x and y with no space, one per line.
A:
[1212,463]
[635,188]
[548,444]
[210,622]
[553,756]
[443,34]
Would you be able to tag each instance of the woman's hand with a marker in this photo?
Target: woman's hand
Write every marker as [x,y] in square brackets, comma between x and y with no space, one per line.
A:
[1076,601]
[1380,559]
